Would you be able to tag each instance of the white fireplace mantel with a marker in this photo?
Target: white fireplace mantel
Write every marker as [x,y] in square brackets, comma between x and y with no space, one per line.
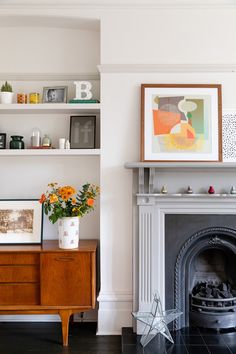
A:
[149,222]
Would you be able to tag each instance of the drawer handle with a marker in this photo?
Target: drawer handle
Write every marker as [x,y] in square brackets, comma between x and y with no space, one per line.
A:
[64,259]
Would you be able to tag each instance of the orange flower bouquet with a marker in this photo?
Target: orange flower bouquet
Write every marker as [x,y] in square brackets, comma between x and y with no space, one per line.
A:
[60,202]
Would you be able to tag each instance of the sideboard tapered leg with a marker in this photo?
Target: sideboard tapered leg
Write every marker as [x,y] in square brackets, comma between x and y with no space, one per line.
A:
[65,317]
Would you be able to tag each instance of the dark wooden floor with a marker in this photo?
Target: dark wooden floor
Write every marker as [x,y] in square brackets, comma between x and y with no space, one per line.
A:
[45,338]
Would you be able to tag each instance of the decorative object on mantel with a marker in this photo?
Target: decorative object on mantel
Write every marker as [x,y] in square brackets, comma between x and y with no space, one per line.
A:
[67,206]
[229,135]
[233,190]
[55,94]
[17,142]
[179,123]
[156,321]
[164,190]
[211,190]
[3,140]
[83,90]
[20,222]
[6,93]
[189,190]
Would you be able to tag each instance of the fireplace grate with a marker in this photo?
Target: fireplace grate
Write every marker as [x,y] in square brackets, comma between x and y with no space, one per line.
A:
[210,304]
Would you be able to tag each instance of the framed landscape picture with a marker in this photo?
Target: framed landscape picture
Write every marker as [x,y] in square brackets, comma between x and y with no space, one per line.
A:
[181,122]
[21,222]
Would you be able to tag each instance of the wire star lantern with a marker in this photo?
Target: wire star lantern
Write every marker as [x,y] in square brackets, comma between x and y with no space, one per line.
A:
[156,321]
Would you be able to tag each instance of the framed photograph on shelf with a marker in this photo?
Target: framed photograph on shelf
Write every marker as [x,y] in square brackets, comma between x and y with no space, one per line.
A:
[82,132]
[21,222]
[181,122]
[3,139]
[55,94]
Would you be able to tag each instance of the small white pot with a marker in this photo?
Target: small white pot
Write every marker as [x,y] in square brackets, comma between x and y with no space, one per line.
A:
[6,97]
[68,232]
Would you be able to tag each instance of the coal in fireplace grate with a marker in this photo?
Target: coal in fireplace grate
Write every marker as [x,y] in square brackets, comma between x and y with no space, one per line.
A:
[213,305]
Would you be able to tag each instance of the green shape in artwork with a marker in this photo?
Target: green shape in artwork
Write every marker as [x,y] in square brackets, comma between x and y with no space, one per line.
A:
[197,118]
[189,115]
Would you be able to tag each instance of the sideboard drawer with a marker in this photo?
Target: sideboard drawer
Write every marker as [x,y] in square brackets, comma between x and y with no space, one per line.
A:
[19,294]
[66,279]
[19,274]
[19,258]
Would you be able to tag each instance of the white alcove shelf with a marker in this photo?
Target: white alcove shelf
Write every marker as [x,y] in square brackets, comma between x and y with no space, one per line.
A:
[50,152]
[63,108]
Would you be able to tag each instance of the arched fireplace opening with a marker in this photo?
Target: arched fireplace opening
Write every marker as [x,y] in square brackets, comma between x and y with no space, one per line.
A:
[205,279]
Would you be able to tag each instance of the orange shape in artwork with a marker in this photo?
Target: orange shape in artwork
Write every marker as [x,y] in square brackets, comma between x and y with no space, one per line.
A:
[190,134]
[164,121]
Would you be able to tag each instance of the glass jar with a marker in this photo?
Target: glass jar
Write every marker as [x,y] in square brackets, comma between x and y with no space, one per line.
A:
[46,141]
[34,97]
[16,142]
[35,138]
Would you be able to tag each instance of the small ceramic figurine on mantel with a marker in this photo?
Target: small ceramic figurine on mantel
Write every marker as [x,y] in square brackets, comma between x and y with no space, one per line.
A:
[211,190]
[189,190]
[233,190]
[164,190]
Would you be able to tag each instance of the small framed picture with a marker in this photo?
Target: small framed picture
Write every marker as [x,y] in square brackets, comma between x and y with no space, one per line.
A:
[21,222]
[55,94]
[3,138]
[82,132]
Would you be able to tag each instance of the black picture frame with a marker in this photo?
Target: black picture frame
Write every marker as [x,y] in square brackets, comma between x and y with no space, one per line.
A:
[20,229]
[3,140]
[83,132]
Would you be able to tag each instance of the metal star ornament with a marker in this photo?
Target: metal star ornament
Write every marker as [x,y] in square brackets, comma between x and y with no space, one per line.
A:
[156,321]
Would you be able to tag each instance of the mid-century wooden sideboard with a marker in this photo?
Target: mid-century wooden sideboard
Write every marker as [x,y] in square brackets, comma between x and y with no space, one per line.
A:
[45,279]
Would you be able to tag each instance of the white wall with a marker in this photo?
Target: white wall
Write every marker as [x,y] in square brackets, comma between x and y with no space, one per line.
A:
[48,50]
[142,36]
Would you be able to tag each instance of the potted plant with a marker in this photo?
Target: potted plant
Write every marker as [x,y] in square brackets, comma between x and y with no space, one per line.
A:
[6,93]
[66,205]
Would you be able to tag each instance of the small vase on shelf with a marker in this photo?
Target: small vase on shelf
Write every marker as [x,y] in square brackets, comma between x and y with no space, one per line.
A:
[17,142]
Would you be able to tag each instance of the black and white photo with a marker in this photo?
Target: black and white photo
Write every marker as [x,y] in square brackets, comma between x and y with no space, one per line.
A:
[55,94]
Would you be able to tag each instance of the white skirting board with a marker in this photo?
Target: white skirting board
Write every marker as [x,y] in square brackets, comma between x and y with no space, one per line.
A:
[114,312]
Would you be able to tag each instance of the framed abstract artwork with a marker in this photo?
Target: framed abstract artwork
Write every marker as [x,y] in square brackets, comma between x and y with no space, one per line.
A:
[21,221]
[181,122]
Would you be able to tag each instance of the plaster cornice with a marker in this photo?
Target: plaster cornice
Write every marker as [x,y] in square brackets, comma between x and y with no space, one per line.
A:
[143,5]
[166,68]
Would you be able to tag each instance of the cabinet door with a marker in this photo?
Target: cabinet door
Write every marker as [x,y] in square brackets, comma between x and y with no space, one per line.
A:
[66,278]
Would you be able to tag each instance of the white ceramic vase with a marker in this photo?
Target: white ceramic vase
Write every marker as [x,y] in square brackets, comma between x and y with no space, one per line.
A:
[68,232]
[6,97]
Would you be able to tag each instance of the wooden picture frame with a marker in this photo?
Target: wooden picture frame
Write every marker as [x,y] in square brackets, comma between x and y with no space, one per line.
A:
[21,222]
[181,122]
[83,132]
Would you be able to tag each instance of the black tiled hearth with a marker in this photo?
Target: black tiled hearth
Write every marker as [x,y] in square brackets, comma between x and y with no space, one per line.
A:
[187,341]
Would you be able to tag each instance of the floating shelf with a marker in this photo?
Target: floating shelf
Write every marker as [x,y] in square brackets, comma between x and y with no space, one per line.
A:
[50,108]
[50,152]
